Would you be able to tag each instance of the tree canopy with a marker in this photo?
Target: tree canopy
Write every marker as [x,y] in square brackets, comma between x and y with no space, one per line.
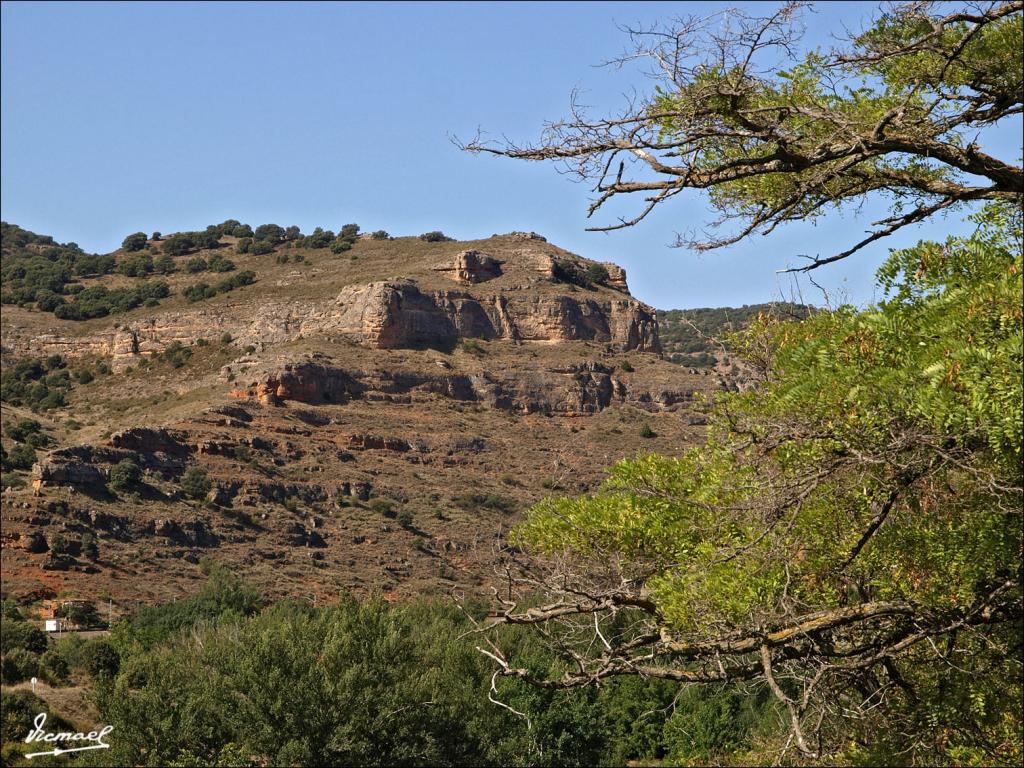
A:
[776,136]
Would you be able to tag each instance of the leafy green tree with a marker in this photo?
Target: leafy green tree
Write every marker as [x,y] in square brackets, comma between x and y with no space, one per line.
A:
[847,515]
[21,457]
[139,265]
[195,483]
[269,232]
[125,475]
[134,242]
[775,136]
[380,234]
[434,237]
[179,244]
[165,265]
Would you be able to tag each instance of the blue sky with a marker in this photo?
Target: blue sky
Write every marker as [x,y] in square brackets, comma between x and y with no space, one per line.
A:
[123,117]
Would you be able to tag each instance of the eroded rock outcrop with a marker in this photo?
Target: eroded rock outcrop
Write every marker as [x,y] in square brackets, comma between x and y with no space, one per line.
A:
[471,266]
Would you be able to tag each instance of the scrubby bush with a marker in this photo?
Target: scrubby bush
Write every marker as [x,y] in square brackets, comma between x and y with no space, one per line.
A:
[195,483]
[596,273]
[270,232]
[139,265]
[218,263]
[19,665]
[20,457]
[196,264]
[32,382]
[435,237]
[646,431]
[179,244]
[164,265]
[340,246]
[134,242]
[380,234]
[261,247]
[100,659]
[125,475]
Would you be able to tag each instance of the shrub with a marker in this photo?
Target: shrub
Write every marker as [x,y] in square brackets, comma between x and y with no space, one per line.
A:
[59,545]
[156,236]
[83,615]
[349,231]
[21,430]
[596,273]
[646,431]
[21,634]
[218,263]
[85,376]
[383,506]
[165,265]
[405,518]
[125,475]
[21,457]
[134,242]
[627,366]
[244,245]
[194,265]
[380,234]
[18,665]
[340,246]
[100,658]
[179,244]
[435,237]
[90,548]
[195,483]
[269,232]
[139,265]
[260,247]
[53,667]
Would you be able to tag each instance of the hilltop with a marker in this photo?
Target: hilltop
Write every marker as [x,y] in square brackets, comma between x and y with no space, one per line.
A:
[319,412]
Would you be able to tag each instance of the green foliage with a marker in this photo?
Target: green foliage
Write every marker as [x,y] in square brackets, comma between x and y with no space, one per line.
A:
[646,431]
[889,441]
[100,301]
[20,457]
[35,269]
[134,242]
[175,353]
[36,383]
[380,234]
[100,659]
[201,291]
[82,614]
[196,264]
[18,633]
[271,233]
[179,244]
[195,483]
[223,596]
[596,273]
[690,337]
[125,475]
[435,237]
[90,548]
[321,238]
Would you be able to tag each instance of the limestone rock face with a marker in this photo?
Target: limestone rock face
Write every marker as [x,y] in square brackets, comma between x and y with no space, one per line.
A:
[471,266]
[397,314]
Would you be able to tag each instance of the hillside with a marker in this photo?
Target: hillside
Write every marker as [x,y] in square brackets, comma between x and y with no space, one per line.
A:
[318,412]
[698,337]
